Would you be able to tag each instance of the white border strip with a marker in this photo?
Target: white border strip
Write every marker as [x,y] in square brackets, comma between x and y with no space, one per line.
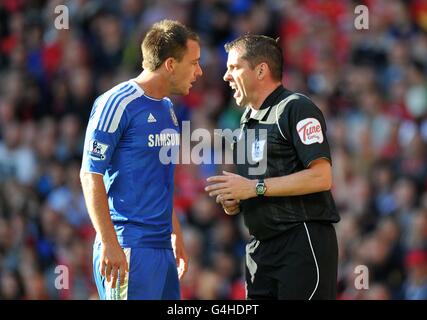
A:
[315,261]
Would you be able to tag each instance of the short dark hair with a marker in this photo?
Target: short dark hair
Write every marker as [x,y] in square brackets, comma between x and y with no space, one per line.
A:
[165,39]
[257,49]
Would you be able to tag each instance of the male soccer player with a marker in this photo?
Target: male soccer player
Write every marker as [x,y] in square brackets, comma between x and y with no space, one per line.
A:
[288,208]
[127,187]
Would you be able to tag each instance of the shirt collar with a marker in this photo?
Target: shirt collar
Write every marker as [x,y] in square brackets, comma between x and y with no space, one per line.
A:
[265,107]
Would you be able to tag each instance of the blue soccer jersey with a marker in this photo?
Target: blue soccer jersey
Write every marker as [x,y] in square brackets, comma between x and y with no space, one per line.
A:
[130,140]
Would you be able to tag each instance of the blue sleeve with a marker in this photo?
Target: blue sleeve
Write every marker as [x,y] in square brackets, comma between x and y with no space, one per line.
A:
[107,123]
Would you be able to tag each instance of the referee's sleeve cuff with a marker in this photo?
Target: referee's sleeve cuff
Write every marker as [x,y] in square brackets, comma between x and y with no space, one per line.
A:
[318,158]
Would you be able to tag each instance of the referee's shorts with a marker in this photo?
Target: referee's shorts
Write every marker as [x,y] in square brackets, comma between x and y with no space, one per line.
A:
[152,275]
[300,264]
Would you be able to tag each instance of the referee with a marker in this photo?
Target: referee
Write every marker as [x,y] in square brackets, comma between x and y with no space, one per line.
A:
[283,182]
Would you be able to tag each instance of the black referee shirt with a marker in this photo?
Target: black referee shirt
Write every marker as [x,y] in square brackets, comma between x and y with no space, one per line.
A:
[283,137]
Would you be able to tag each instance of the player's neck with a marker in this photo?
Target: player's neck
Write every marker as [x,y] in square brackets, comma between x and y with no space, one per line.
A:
[153,84]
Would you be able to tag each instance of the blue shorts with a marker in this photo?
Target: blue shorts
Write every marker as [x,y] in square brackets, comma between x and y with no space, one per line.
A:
[152,275]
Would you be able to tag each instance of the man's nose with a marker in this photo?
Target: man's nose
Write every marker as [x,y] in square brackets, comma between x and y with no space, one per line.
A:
[199,71]
[227,76]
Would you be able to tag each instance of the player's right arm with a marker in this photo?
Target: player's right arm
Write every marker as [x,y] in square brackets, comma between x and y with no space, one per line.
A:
[107,123]
[113,258]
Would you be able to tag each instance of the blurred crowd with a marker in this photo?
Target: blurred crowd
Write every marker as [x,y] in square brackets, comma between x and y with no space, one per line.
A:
[370,84]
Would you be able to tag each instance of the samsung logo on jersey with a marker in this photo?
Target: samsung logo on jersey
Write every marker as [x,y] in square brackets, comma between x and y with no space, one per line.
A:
[163,139]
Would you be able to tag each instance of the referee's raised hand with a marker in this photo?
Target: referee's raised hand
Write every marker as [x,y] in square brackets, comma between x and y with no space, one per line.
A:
[231,186]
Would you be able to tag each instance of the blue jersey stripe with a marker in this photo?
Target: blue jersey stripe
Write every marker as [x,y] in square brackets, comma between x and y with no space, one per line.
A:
[116,118]
[115,107]
[112,94]
[111,107]
[110,103]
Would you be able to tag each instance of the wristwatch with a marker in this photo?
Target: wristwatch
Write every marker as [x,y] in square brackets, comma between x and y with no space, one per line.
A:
[260,188]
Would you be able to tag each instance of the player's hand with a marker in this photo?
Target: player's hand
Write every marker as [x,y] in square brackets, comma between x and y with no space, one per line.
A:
[231,206]
[231,186]
[180,255]
[113,263]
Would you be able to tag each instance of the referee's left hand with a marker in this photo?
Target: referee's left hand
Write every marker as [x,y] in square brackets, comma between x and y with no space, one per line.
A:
[231,207]
[231,186]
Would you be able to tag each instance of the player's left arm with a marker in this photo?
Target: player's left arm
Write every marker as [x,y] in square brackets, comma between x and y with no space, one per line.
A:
[178,247]
[316,178]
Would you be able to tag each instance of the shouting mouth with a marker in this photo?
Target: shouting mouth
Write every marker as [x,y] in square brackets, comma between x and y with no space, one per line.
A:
[237,93]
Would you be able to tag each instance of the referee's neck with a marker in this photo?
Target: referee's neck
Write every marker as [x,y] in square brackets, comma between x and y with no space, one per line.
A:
[263,91]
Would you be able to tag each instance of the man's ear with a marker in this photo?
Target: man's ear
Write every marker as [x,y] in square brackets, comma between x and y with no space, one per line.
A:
[170,64]
[261,70]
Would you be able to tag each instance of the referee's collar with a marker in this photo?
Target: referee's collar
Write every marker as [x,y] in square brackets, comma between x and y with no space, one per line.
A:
[268,102]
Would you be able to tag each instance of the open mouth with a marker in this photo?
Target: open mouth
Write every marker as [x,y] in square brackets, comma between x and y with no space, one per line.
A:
[236,92]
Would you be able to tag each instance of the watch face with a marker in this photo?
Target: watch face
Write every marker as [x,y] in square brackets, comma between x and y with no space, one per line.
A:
[260,188]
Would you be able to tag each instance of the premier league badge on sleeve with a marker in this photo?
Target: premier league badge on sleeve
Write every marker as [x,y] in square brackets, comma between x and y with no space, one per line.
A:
[173,116]
[97,150]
